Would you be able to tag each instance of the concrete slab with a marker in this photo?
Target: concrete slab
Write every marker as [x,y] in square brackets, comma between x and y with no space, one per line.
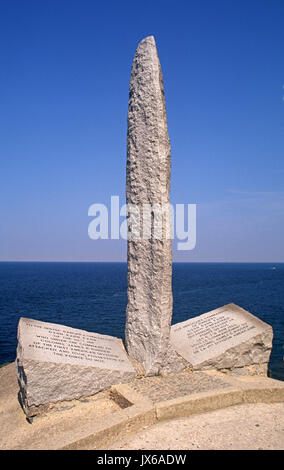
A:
[97,421]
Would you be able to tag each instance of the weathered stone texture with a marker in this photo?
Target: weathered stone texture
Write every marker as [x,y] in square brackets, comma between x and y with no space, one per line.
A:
[149,308]
[226,338]
[57,363]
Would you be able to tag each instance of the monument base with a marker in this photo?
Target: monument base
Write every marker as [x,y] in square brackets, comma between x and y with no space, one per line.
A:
[95,422]
[57,363]
[227,338]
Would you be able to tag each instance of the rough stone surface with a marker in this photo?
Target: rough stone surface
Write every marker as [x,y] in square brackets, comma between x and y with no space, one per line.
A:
[253,369]
[57,363]
[149,308]
[159,389]
[173,362]
[228,338]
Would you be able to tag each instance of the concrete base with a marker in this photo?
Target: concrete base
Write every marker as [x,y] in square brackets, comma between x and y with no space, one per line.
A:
[95,422]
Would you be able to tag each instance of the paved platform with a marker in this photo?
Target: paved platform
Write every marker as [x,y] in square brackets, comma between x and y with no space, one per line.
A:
[126,409]
[254,426]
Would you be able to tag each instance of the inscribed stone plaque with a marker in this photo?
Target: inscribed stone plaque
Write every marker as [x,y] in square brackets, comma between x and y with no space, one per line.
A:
[49,342]
[227,337]
[56,362]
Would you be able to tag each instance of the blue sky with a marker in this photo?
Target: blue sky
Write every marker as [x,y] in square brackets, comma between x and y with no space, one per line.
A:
[64,76]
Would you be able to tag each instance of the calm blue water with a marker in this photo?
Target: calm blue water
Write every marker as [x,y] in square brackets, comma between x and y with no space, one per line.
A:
[92,296]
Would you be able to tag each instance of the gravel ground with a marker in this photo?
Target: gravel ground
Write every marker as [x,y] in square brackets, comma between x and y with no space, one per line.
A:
[241,427]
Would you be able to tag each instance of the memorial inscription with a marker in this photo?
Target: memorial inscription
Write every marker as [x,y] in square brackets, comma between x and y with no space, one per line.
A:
[61,344]
[226,337]
[56,363]
[218,327]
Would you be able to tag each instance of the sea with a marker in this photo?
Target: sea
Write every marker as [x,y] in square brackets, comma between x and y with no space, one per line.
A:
[92,296]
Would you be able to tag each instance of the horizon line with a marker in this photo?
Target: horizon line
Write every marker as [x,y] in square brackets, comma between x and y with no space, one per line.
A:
[125,262]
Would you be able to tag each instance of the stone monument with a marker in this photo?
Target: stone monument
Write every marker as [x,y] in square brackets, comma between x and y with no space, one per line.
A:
[57,363]
[227,338]
[149,308]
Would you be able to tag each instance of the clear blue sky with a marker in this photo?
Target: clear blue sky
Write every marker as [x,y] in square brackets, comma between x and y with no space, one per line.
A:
[64,76]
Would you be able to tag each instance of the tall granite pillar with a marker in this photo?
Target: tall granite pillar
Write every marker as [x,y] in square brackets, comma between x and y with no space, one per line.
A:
[149,308]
